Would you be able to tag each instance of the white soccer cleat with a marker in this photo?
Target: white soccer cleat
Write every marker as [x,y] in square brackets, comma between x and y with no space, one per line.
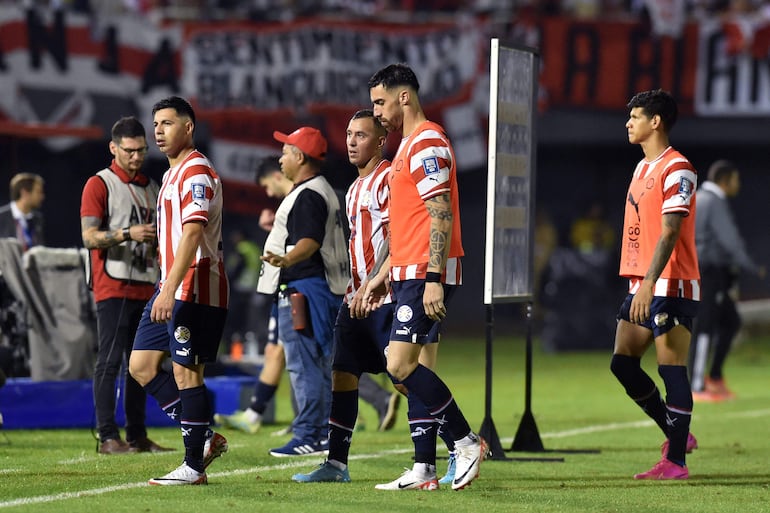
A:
[214,447]
[413,479]
[468,460]
[183,475]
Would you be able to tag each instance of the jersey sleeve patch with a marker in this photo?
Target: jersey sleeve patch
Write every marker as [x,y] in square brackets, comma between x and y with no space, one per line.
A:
[198,191]
[430,165]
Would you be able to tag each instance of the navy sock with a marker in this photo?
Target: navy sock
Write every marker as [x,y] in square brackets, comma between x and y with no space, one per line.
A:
[438,400]
[195,422]
[262,396]
[640,387]
[163,388]
[422,427]
[342,422]
[678,409]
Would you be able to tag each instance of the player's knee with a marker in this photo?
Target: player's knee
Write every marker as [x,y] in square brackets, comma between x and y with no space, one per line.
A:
[624,367]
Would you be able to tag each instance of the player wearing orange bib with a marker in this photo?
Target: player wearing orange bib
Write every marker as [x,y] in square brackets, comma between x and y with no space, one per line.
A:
[659,259]
[424,264]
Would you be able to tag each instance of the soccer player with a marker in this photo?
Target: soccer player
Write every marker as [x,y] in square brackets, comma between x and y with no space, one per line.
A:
[659,259]
[186,315]
[424,263]
[117,218]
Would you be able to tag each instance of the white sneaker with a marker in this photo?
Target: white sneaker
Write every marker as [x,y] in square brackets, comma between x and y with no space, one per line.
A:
[413,479]
[183,475]
[214,447]
[468,460]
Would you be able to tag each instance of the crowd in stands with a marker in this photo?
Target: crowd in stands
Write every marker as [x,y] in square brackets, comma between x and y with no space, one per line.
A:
[745,12]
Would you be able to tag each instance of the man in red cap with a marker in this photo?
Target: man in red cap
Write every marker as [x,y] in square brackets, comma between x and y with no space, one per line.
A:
[306,267]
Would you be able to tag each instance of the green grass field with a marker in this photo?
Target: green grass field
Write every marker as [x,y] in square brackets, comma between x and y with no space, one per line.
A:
[577,404]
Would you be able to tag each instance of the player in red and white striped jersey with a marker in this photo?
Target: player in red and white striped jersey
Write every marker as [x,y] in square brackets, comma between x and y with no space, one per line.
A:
[192,193]
[186,315]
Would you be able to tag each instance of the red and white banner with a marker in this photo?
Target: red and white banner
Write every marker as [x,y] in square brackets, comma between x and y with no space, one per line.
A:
[58,68]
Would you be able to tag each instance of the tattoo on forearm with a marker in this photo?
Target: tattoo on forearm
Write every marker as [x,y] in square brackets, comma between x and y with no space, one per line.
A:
[438,244]
[96,239]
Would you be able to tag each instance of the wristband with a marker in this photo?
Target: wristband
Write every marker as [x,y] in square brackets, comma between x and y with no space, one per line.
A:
[126,234]
[432,277]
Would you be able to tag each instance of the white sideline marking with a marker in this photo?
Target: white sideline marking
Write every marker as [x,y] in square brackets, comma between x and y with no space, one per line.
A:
[304,461]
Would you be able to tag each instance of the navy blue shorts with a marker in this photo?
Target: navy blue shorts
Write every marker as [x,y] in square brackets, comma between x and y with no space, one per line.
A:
[360,344]
[410,323]
[665,313]
[192,336]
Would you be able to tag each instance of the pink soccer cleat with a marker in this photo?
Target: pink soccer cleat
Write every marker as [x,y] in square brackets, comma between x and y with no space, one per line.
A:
[664,470]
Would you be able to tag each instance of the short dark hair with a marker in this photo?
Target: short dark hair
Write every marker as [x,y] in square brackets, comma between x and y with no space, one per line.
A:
[721,170]
[379,130]
[657,103]
[268,165]
[24,182]
[180,105]
[127,126]
[395,75]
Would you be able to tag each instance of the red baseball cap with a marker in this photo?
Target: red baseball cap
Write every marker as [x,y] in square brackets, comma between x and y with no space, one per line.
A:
[308,139]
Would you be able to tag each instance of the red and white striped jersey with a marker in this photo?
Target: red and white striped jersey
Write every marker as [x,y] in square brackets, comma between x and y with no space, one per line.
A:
[366,205]
[664,186]
[424,167]
[192,192]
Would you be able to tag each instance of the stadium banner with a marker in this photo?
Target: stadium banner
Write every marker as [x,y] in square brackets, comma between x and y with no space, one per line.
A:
[246,80]
[249,80]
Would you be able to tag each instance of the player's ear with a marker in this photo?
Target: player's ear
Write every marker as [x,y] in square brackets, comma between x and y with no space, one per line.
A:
[403,97]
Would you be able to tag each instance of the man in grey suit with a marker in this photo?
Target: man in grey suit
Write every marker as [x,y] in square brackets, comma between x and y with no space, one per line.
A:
[21,218]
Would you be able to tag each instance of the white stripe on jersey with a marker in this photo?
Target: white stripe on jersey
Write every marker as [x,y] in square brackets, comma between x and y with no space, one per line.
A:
[366,204]
[192,191]
[430,184]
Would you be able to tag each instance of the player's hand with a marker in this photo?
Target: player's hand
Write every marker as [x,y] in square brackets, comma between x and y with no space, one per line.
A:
[639,311]
[358,308]
[162,307]
[375,292]
[433,301]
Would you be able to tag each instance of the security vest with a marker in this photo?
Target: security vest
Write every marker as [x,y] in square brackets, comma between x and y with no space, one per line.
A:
[130,260]
[333,248]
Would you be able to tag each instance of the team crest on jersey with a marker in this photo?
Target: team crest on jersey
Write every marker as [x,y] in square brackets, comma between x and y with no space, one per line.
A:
[182,334]
[430,165]
[685,187]
[198,191]
[366,198]
[404,313]
[169,194]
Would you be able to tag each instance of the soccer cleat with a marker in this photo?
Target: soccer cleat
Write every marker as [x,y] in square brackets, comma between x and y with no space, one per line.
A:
[325,473]
[468,460]
[450,470]
[412,480]
[718,389]
[388,414]
[297,447]
[692,444]
[183,475]
[240,420]
[664,470]
[214,447]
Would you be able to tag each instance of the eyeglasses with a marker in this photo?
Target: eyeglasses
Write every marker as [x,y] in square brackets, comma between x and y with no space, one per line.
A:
[132,151]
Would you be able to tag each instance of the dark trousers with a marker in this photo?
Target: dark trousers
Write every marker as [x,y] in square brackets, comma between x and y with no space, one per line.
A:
[117,320]
[716,325]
